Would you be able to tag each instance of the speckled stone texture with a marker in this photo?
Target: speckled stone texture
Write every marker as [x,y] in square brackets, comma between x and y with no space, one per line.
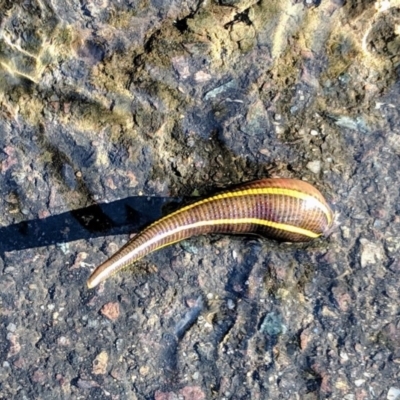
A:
[113,113]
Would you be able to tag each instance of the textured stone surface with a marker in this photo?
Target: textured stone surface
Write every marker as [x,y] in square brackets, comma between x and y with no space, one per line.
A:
[112,112]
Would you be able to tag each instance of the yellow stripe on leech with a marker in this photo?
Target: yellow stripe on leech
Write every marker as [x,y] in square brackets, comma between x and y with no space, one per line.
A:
[257,221]
[256,191]
[111,270]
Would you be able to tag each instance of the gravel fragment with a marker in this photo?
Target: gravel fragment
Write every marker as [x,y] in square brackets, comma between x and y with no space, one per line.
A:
[87,384]
[314,166]
[100,363]
[393,393]
[111,310]
[371,253]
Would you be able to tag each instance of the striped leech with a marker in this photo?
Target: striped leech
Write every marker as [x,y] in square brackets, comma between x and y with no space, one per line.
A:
[285,209]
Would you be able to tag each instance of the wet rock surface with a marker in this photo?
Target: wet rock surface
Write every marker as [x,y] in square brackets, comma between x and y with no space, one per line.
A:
[115,112]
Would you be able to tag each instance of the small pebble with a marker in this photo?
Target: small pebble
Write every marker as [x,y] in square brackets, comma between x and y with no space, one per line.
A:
[393,393]
[24,211]
[344,356]
[87,384]
[144,370]
[202,76]
[314,166]
[196,375]
[111,310]
[345,232]
[119,344]
[272,325]
[230,304]
[371,253]
[100,363]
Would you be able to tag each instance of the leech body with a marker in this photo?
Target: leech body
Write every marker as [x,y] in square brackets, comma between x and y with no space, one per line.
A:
[284,209]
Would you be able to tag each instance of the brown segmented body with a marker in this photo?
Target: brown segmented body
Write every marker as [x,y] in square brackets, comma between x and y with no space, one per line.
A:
[284,209]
